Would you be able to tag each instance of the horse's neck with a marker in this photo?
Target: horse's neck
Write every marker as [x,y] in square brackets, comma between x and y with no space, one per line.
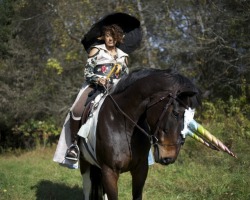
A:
[141,93]
[137,102]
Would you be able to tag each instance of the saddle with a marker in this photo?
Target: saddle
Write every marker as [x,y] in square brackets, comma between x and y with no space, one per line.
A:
[90,102]
[87,111]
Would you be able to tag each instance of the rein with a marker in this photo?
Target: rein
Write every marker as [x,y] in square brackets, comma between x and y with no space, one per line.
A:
[152,138]
[131,120]
[164,112]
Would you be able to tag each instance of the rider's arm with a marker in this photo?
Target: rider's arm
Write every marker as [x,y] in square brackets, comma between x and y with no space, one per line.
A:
[90,65]
[125,69]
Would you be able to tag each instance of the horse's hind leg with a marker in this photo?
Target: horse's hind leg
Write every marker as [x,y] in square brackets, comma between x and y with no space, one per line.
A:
[85,171]
[86,185]
[92,181]
[97,191]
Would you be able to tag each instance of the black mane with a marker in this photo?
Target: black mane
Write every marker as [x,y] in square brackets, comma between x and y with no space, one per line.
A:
[184,84]
[137,74]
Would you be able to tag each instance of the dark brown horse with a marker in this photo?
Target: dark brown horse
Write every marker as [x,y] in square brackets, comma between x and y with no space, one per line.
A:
[147,107]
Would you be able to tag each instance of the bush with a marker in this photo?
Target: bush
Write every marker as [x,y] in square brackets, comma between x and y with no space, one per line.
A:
[231,116]
[31,134]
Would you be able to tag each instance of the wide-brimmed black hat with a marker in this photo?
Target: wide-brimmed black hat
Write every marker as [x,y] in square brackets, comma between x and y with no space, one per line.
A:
[129,24]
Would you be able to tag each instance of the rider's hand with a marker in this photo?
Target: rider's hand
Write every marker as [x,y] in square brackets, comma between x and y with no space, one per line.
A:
[102,81]
[118,69]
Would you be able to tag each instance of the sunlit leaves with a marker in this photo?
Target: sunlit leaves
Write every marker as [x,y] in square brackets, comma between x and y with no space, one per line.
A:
[53,63]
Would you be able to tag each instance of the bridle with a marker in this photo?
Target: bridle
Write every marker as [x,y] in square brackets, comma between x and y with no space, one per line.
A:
[152,138]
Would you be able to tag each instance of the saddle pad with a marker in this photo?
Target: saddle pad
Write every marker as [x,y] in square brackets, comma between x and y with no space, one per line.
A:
[88,131]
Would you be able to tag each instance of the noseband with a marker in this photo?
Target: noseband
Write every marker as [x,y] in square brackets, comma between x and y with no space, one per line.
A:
[153,139]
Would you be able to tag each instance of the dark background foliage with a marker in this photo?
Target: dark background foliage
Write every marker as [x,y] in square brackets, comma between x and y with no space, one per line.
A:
[42,59]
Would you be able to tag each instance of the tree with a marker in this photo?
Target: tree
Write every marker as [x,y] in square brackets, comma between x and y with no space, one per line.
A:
[6,14]
[223,56]
[42,59]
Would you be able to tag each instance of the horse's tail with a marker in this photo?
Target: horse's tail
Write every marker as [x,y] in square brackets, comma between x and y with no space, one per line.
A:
[97,190]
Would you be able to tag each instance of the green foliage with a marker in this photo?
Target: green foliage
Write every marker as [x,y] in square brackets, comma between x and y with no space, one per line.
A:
[53,64]
[42,59]
[6,14]
[232,116]
[35,133]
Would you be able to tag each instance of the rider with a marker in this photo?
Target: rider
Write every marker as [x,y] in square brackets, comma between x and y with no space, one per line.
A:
[101,60]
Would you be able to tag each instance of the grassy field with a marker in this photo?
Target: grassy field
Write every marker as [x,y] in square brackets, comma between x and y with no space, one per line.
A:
[197,174]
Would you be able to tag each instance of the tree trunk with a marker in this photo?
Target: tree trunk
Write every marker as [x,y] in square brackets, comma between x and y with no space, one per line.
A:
[145,40]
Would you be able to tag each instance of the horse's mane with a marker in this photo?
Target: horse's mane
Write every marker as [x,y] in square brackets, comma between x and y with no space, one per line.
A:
[139,73]
[135,75]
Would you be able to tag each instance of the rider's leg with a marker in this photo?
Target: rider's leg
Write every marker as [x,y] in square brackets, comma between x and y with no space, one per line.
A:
[73,151]
[75,123]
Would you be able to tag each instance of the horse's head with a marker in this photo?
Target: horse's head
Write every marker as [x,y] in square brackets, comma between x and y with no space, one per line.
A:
[161,99]
[165,117]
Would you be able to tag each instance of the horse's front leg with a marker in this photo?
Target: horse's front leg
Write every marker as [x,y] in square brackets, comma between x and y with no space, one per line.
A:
[139,176]
[109,180]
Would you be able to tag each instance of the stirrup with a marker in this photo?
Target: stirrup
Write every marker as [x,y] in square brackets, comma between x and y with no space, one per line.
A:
[73,152]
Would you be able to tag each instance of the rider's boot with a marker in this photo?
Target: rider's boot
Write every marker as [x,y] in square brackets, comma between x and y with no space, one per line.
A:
[73,151]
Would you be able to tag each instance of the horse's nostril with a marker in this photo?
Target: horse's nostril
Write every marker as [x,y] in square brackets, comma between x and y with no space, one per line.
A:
[167,161]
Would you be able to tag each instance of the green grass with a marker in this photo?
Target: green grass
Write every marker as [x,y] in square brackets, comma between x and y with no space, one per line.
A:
[34,175]
[198,173]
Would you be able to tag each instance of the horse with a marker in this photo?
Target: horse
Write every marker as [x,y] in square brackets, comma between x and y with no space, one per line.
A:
[145,108]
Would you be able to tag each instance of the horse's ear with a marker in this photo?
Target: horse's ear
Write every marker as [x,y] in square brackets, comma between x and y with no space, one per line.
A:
[188,93]
[193,94]
[188,90]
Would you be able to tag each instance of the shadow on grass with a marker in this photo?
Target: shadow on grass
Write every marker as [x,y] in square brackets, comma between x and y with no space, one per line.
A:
[47,190]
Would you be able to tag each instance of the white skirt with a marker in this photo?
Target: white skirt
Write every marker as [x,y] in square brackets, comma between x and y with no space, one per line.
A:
[65,138]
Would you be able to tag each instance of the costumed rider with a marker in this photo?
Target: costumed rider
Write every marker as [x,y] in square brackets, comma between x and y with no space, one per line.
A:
[101,60]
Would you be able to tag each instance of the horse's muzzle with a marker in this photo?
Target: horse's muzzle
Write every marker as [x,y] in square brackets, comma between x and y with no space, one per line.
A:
[162,160]
[166,161]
